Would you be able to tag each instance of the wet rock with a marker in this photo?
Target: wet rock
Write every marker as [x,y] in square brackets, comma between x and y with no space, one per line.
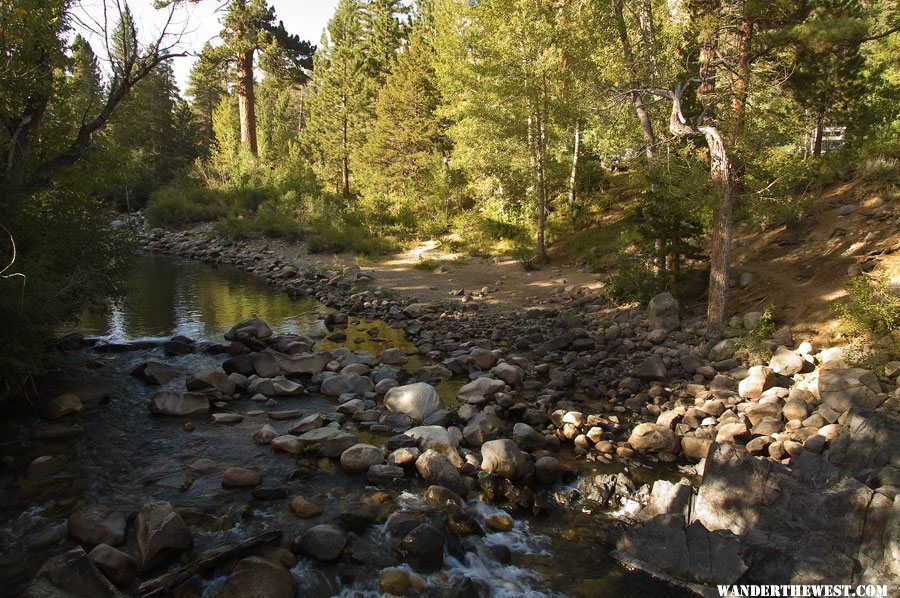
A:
[548,470]
[265,434]
[326,442]
[68,575]
[418,401]
[395,582]
[404,456]
[62,406]
[215,379]
[227,418]
[97,525]
[436,468]
[653,438]
[662,312]
[305,509]
[785,362]
[257,577]
[153,372]
[287,444]
[503,458]
[499,522]
[253,327]
[241,477]
[360,457]
[161,535]
[175,403]
[117,566]
[478,391]
[323,542]
[203,466]
[339,384]
[439,496]
[423,548]
[310,422]
[382,474]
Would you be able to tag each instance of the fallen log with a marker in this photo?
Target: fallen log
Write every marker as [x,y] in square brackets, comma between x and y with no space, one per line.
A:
[162,585]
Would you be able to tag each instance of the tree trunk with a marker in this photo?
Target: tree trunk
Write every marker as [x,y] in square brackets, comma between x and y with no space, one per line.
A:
[818,133]
[345,160]
[541,250]
[573,176]
[720,248]
[648,37]
[246,100]
[739,101]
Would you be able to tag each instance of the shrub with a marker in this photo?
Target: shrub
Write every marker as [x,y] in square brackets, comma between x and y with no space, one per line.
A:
[634,279]
[872,308]
[754,342]
[183,205]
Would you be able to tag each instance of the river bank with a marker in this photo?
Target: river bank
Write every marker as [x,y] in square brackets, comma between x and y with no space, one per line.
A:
[789,469]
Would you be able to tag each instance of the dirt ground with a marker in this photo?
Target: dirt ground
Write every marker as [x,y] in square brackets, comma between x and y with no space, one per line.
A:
[799,272]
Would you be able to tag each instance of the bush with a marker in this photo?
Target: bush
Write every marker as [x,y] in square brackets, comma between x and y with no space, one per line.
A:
[872,308]
[754,342]
[184,205]
[634,279]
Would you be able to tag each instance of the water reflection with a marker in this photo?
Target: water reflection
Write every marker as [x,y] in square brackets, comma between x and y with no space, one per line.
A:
[167,297]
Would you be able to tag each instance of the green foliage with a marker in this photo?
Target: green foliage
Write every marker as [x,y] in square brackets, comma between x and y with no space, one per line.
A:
[754,342]
[872,307]
[632,278]
[180,205]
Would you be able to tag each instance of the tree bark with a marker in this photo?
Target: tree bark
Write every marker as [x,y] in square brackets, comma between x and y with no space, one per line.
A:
[345,158]
[721,175]
[573,175]
[741,83]
[818,132]
[246,100]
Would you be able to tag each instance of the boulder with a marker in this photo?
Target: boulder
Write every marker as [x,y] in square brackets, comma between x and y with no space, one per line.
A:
[527,437]
[69,575]
[502,457]
[305,509]
[97,525]
[651,368]
[759,379]
[117,566]
[360,457]
[161,535]
[326,442]
[481,428]
[482,359]
[265,435]
[510,374]
[548,470]
[324,542]
[786,362]
[339,384]
[724,349]
[258,577]
[153,372]
[215,379]
[62,406]
[287,444]
[436,468]
[393,356]
[653,438]
[843,388]
[178,403]
[418,401]
[479,390]
[662,312]
[253,327]
[423,548]
[241,477]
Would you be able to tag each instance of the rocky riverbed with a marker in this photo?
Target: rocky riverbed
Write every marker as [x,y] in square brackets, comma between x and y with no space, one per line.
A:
[659,441]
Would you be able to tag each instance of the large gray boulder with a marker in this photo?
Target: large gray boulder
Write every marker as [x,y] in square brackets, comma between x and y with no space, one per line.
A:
[652,368]
[360,457]
[662,312]
[786,362]
[504,458]
[70,575]
[418,401]
[479,390]
[253,327]
[653,438]
[435,468]
[178,403]
[324,542]
[844,388]
[335,386]
[161,535]
[97,525]
[482,428]
[215,379]
[153,372]
[326,442]
[258,577]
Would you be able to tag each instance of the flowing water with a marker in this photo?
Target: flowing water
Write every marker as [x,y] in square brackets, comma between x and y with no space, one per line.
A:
[125,456]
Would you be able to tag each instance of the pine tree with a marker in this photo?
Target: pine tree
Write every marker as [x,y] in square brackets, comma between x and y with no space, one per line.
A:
[405,151]
[207,85]
[340,97]
[384,32]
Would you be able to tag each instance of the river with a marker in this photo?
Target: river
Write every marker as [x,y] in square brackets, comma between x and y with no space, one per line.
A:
[125,456]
